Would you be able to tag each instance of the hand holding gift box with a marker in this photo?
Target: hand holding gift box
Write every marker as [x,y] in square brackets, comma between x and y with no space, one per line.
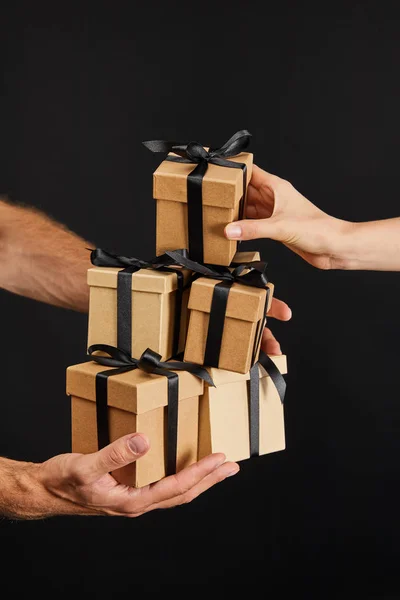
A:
[133,395]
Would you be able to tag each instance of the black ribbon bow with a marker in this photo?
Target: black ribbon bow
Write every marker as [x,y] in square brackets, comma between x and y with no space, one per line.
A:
[252,274]
[130,265]
[150,362]
[195,153]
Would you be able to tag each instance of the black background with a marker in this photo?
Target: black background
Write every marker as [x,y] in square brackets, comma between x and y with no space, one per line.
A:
[319,90]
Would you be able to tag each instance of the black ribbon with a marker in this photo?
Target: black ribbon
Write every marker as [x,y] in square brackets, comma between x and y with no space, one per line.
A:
[195,153]
[255,276]
[254,397]
[130,265]
[151,363]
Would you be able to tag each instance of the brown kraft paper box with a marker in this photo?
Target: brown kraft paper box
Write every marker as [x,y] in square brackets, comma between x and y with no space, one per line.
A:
[153,309]
[224,414]
[137,403]
[221,192]
[243,320]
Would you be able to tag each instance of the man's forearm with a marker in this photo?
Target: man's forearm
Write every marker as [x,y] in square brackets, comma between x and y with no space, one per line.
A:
[41,259]
[373,246]
[17,497]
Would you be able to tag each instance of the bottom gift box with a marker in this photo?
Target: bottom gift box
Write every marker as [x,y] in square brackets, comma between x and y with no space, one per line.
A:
[210,419]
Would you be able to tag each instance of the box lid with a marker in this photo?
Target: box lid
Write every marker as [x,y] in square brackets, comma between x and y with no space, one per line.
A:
[244,302]
[134,391]
[222,186]
[145,280]
[221,377]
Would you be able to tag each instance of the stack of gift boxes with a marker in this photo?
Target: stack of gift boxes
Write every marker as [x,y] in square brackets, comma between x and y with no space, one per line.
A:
[174,342]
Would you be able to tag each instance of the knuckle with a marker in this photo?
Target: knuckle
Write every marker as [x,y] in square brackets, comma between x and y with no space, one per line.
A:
[116,456]
[181,488]
[282,186]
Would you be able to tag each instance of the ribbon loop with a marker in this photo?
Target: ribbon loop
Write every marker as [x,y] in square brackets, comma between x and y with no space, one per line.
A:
[149,361]
[116,356]
[196,152]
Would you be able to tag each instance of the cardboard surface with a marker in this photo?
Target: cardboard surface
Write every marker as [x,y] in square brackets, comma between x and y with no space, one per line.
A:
[134,391]
[137,403]
[244,314]
[244,302]
[144,280]
[222,186]
[221,192]
[248,256]
[153,310]
[151,467]
[224,415]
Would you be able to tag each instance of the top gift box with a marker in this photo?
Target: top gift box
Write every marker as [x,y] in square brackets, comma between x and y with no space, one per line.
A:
[198,192]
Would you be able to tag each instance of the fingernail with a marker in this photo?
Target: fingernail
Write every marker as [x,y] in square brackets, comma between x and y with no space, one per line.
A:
[233,472]
[233,231]
[138,444]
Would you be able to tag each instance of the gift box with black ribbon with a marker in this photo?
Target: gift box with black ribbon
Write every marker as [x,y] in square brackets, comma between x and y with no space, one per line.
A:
[198,299]
[136,304]
[242,416]
[114,395]
[228,308]
[198,192]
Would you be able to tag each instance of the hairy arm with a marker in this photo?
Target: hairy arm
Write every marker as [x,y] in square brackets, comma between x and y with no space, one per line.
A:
[42,259]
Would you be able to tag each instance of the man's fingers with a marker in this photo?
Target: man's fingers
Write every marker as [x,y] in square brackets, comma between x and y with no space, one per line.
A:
[253,229]
[139,500]
[226,470]
[280,310]
[270,344]
[123,451]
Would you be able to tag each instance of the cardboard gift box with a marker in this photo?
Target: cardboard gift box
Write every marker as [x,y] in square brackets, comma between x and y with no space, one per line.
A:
[245,257]
[222,203]
[153,309]
[224,414]
[242,327]
[137,402]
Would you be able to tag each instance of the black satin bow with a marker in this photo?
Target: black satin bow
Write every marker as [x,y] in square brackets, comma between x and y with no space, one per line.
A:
[150,362]
[130,265]
[193,152]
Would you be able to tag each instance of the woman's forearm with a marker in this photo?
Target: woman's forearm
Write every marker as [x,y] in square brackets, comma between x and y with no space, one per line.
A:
[373,246]
[42,259]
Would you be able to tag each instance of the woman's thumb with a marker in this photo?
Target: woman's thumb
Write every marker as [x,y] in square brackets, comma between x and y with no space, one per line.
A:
[253,229]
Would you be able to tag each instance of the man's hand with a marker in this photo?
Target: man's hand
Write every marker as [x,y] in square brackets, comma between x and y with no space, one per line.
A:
[276,210]
[78,484]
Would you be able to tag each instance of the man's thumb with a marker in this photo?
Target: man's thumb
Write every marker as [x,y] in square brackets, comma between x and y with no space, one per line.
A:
[123,451]
[253,229]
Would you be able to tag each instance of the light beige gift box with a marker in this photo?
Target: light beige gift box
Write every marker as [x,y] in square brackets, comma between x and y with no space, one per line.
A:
[153,309]
[222,192]
[243,320]
[224,414]
[137,403]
